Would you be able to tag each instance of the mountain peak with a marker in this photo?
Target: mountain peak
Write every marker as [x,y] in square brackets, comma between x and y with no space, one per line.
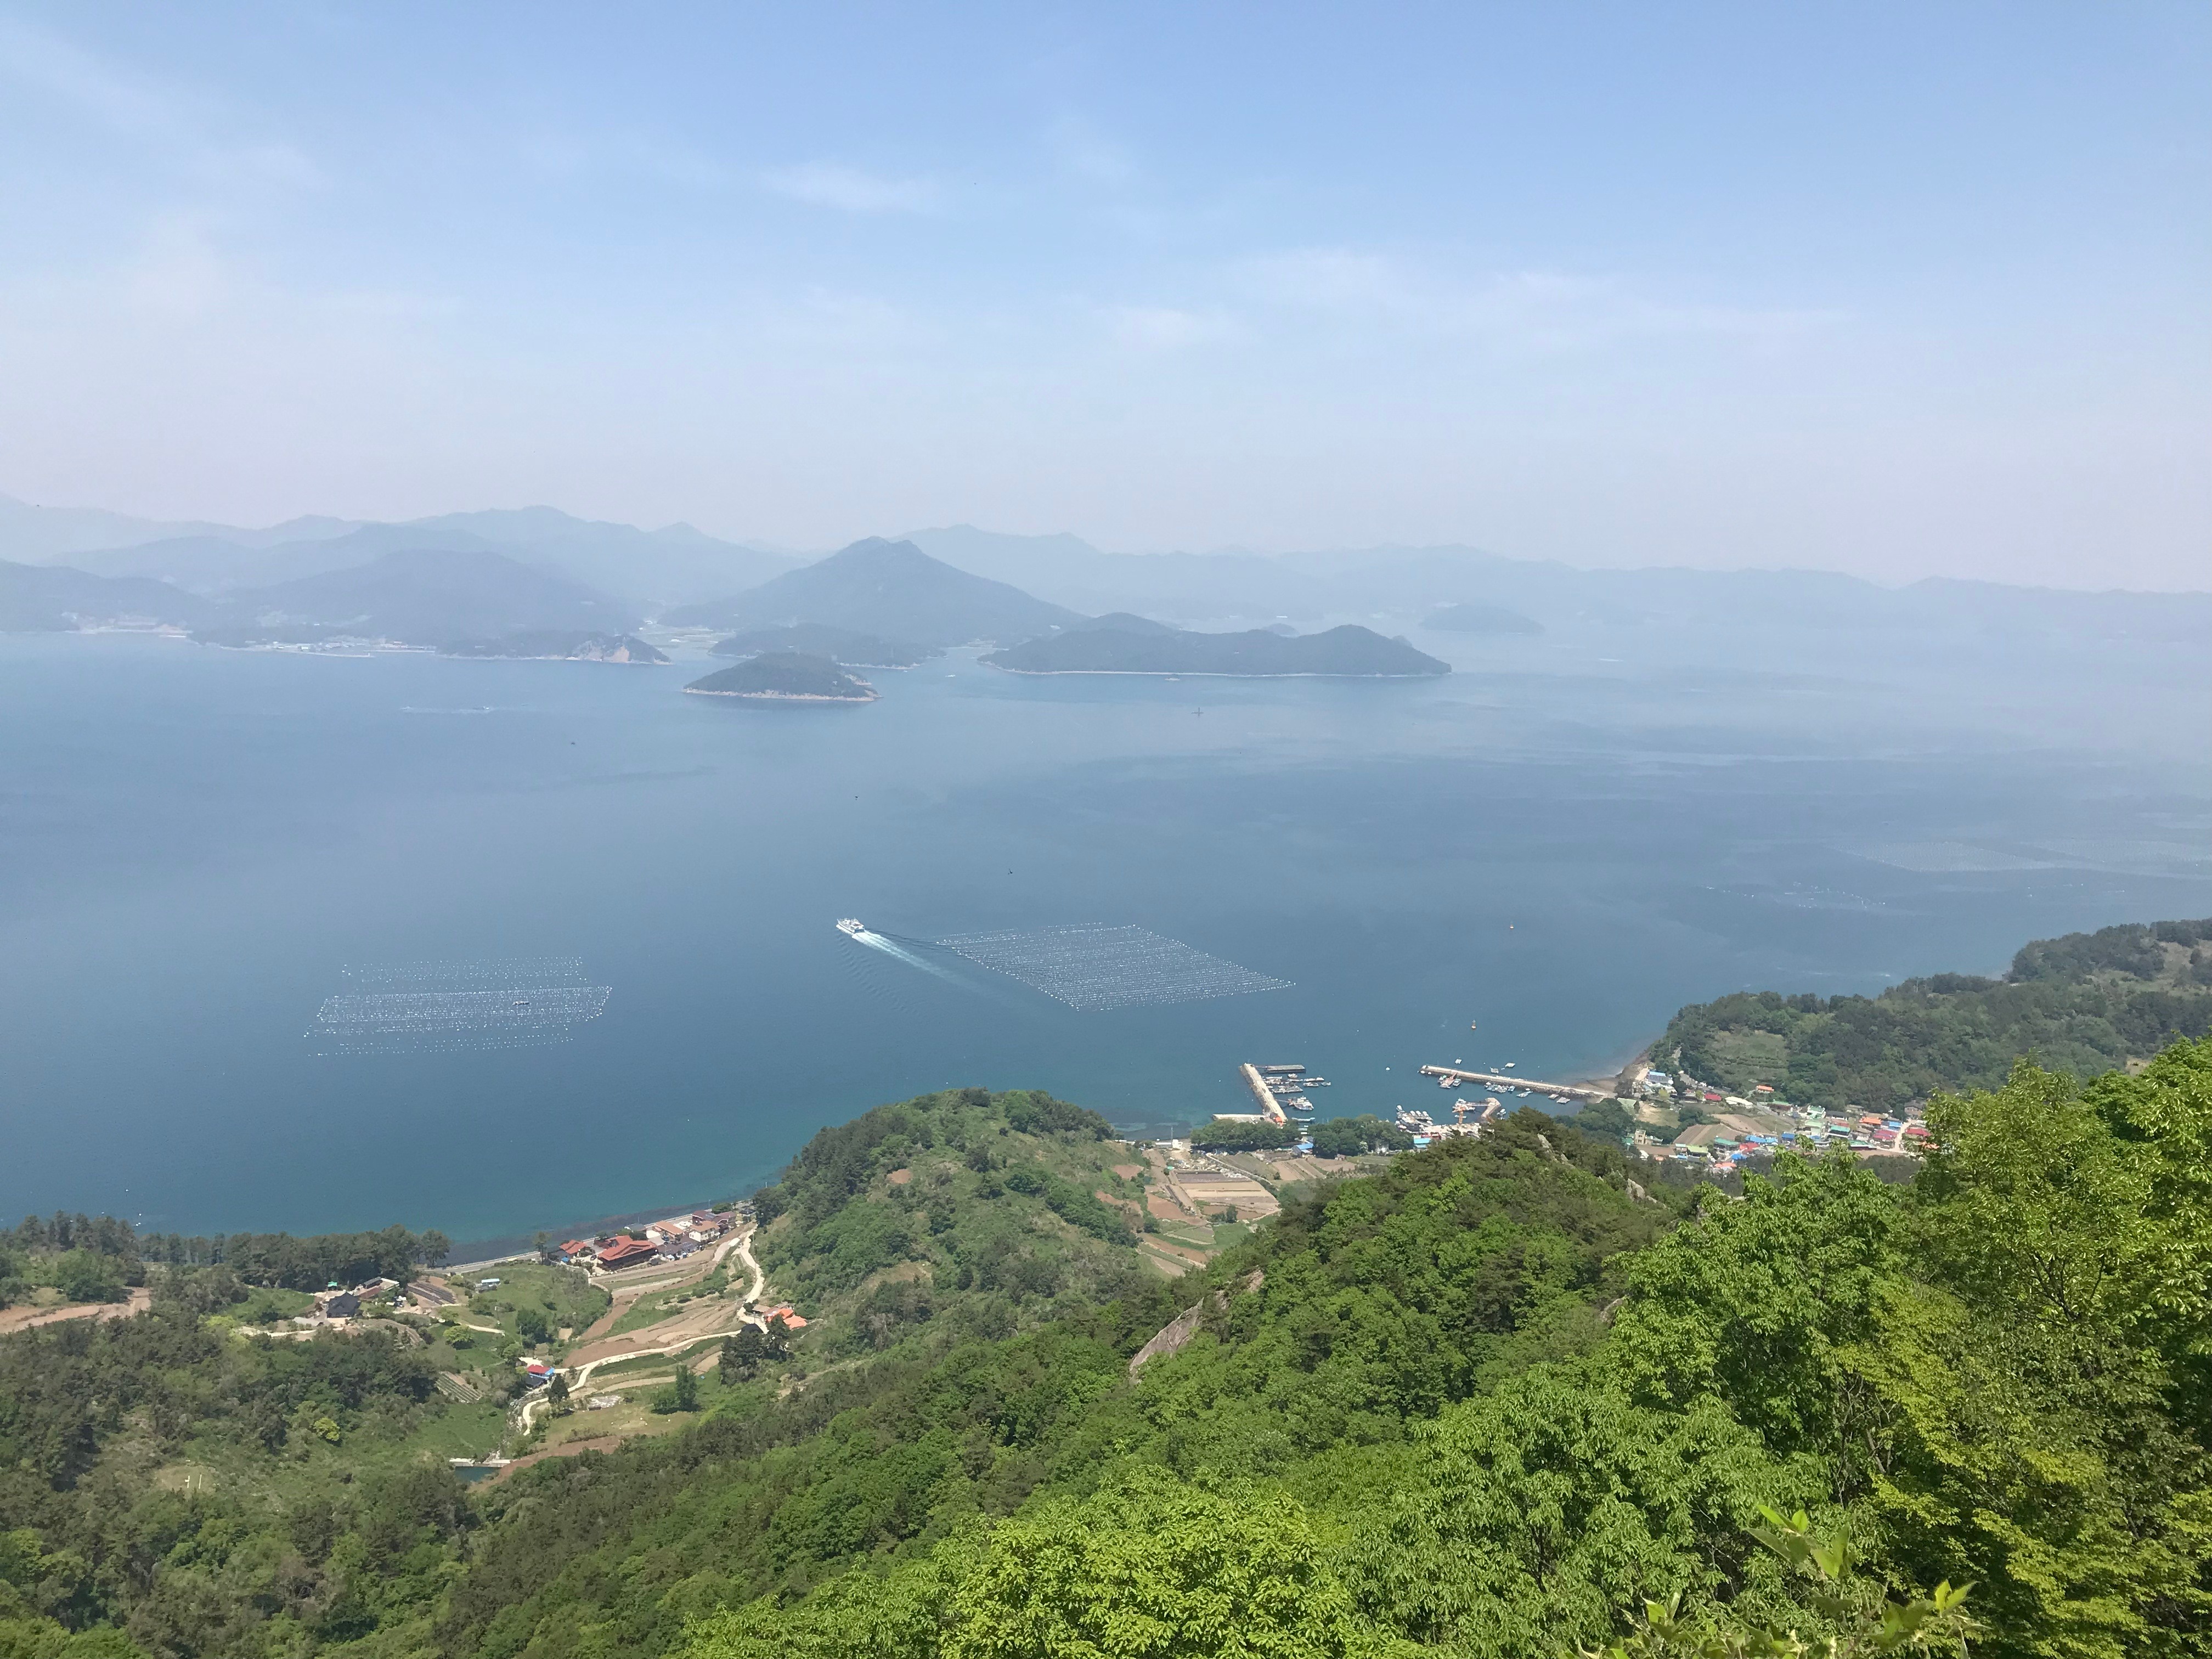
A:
[889,588]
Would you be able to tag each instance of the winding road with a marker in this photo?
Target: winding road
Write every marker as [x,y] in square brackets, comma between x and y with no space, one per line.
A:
[577,1376]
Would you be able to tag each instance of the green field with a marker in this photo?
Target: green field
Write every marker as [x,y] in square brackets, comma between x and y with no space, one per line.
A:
[560,1296]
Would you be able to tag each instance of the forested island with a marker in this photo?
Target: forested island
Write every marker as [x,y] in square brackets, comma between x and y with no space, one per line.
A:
[845,646]
[2083,1004]
[785,677]
[1350,651]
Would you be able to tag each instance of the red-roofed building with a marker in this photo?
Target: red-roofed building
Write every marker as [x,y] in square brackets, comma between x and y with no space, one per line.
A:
[790,1319]
[578,1248]
[626,1251]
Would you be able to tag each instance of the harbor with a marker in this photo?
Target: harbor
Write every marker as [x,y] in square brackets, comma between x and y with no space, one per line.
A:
[1279,1090]
[1454,1076]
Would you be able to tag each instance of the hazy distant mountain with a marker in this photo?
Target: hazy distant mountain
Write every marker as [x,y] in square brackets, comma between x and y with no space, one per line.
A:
[673,565]
[649,568]
[1349,651]
[889,588]
[52,598]
[839,645]
[212,565]
[436,596]
[1479,619]
[1122,621]
[1736,609]
[47,534]
[1069,571]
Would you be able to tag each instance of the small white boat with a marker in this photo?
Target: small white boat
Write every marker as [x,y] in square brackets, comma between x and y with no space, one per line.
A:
[852,924]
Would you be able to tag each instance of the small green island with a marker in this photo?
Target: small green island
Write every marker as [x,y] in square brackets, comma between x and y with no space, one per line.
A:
[1350,651]
[847,646]
[785,677]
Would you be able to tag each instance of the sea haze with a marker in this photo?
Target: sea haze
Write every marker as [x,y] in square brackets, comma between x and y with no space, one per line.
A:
[1564,840]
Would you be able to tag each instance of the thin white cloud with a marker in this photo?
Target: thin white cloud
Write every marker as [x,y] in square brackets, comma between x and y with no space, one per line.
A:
[832,185]
[1541,309]
[181,127]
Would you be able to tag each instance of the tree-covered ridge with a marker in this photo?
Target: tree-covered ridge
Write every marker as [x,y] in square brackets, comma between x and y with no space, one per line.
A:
[94,1258]
[170,1488]
[1339,1329]
[1489,1401]
[2083,1004]
[991,1200]
[1996,1377]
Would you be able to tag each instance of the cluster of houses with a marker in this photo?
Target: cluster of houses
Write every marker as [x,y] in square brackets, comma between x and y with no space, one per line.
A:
[336,1305]
[664,1240]
[1736,1126]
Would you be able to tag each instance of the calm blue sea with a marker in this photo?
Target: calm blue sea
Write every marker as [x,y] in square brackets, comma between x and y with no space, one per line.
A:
[1560,846]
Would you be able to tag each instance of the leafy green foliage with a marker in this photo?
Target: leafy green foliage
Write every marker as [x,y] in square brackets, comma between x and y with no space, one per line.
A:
[1348,1137]
[2081,1005]
[1369,1311]
[1227,1135]
[304,1264]
[998,1198]
[1487,1402]
[89,1410]
[1148,1567]
[1860,1618]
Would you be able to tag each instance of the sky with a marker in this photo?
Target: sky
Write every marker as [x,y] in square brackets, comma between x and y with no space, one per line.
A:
[1897,290]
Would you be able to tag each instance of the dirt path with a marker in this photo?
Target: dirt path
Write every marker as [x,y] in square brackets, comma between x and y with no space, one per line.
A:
[565,1449]
[717,1316]
[23,1319]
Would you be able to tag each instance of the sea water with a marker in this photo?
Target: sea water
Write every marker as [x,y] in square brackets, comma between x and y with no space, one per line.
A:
[1555,848]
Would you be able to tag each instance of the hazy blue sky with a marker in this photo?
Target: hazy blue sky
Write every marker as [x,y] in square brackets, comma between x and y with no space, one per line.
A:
[1898,289]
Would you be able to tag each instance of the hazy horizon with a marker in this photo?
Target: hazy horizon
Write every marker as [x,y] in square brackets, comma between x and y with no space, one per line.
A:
[2086,585]
[1885,292]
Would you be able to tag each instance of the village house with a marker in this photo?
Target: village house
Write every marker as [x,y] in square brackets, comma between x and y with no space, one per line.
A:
[626,1251]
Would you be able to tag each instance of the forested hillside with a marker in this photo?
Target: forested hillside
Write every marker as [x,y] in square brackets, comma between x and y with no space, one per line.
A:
[1486,1401]
[2080,1004]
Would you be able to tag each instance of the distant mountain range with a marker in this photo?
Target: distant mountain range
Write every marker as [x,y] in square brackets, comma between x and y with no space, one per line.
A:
[1350,651]
[648,569]
[49,599]
[1411,582]
[437,598]
[950,585]
[891,589]
[1479,619]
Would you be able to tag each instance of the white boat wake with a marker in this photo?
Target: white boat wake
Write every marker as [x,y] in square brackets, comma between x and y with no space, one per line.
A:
[876,941]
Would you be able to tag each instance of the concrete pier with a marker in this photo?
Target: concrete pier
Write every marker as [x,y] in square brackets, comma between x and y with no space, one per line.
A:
[1494,1081]
[1270,1108]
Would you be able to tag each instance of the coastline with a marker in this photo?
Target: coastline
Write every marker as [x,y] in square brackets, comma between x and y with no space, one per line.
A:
[777,696]
[1198,673]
